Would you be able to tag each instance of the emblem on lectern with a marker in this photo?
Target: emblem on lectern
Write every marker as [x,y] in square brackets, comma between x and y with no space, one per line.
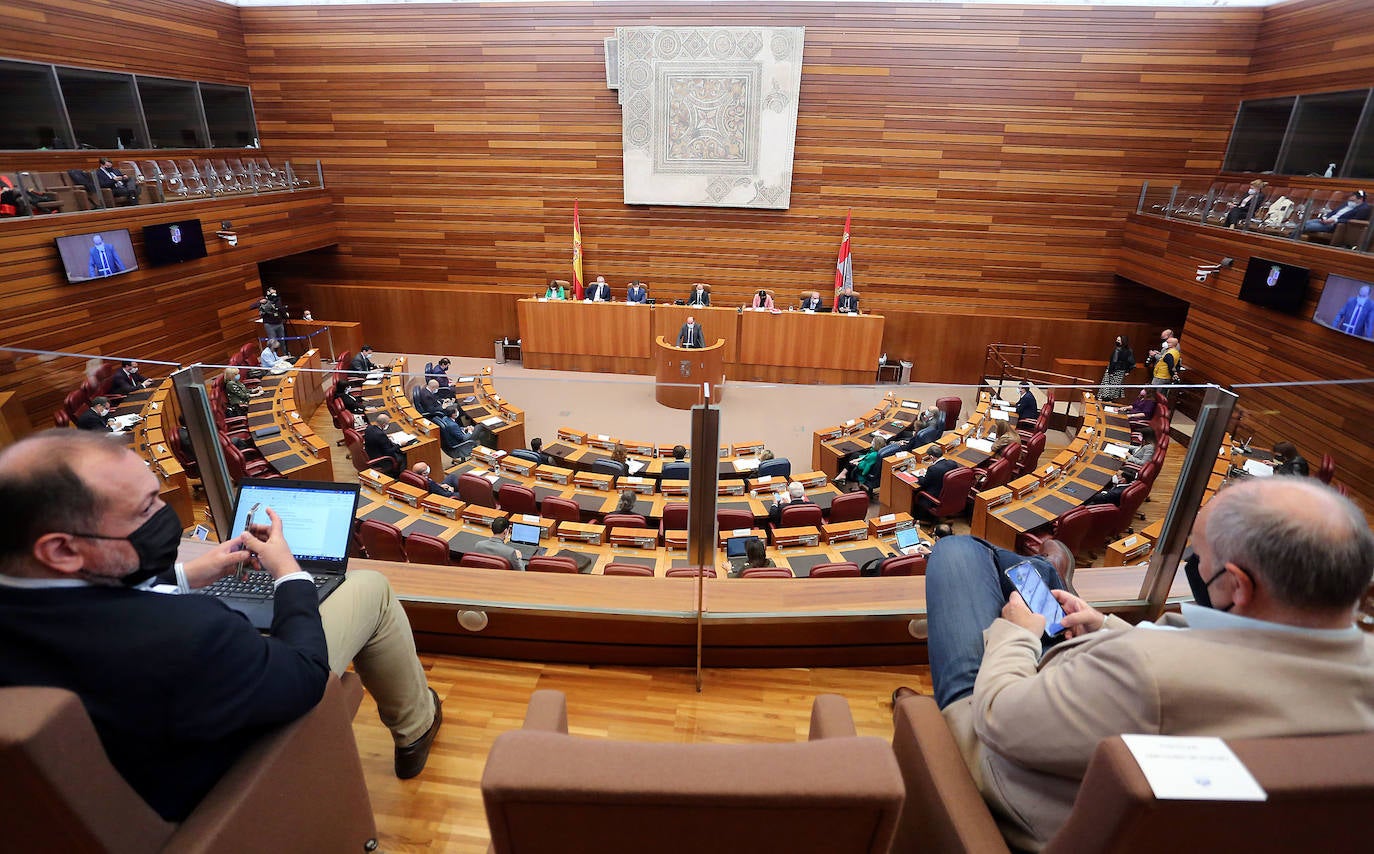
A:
[685,367]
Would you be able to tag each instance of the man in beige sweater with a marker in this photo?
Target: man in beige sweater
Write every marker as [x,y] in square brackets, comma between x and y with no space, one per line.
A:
[1269,649]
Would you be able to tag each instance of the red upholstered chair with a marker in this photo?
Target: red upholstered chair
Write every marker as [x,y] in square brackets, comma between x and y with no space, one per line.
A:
[954,493]
[343,419]
[950,406]
[629,569]
[485,561]
[1013,451]
[240,467]
[692,572]
[182,454]
[423,548]
[835,570]
[1131,498]
[1030,457]
[733,519]
[414,480]
[1328,469]
[552,563]
[382,541]
[476,490]
[74,401]
[852,507]
[766,572]
[357,454]
[674,519]
[561,509]
[624,520]
[1075,528]
[998,474]
[799,515]
[514,498]
[903,565]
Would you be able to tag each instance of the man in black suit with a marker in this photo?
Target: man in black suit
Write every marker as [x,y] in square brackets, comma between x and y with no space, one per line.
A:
[362,363]
[96,417]
[447,488]
[796,494]
[377,443]
[811,303]
[121,186]
[933,481]
[690,334]
[1111,493]
[1355,207]
[848,303]
[1027,409]
[427,399]
[699,295]
[127,379]
[179,687]
[598,291]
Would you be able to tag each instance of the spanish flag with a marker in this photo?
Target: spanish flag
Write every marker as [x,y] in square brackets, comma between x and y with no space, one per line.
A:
[577,254]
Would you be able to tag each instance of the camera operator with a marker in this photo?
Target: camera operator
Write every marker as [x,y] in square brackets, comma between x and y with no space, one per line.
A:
[274,316]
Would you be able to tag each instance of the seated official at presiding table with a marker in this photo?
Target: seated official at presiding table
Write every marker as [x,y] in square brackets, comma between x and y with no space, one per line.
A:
[690,334]
[699,295]
[598,291]
[555,290]
[636,292]
[1269,649]
[179,686]
[762,300]
[848,301]
[811,302]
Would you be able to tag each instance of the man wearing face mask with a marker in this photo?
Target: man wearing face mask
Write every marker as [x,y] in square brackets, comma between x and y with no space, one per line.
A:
[178,687]
[273,315]
[1269,649]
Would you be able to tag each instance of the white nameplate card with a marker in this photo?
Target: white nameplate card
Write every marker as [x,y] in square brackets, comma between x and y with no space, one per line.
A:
[1193,769]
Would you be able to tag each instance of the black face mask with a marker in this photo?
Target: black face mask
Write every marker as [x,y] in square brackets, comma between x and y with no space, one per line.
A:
[1202,593]
[155,542]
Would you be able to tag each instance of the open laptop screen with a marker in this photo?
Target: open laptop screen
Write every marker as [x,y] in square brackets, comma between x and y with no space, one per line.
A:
[525,535]
[735,546]
[908,537]
[316,517]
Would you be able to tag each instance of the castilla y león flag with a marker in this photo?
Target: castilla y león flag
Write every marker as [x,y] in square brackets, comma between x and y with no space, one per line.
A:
[577,255]
[844,267]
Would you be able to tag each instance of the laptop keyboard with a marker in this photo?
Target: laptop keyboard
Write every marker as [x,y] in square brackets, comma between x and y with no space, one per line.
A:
[255,585]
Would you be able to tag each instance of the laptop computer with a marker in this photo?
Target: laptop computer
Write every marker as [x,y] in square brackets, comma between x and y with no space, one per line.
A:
[735,551]
[317,518]
[524,538]
[909,540]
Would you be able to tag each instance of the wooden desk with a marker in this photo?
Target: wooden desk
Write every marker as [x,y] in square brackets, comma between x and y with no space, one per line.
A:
[345,336]
[156,406]
[14,421]
[794,346]
[611,337]
[289,400]
[680,373]
[490,409]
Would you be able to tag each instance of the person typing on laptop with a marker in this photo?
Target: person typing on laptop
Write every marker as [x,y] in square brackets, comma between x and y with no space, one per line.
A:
[178,687]
[497,544]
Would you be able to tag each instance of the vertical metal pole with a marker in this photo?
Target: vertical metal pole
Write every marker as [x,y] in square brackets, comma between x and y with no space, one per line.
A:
[1217,406]
[701,504]
[1140,202]
[194,400]
[1173,197]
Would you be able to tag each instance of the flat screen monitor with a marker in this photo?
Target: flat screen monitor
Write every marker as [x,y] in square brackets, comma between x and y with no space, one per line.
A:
[1273,285]
[173,242]
[1347,306]
[97,255]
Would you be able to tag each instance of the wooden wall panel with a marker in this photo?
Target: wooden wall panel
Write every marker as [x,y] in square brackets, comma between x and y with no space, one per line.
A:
[199,310]
[989,154]
[1229,341]
[191,39]
[1313,46]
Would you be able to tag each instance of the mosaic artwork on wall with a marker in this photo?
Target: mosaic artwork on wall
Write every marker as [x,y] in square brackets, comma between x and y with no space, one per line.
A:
[708,114]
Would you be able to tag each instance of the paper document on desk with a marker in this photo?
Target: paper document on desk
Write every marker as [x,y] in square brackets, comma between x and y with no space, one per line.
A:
[982,446]
[372,382]
[1118,451]
[375,375]
[281,367]
[999,415]
[401,437]
[1255,468]
[123,422]
[494,421]
[636,466]
[1185,768]
[746,465]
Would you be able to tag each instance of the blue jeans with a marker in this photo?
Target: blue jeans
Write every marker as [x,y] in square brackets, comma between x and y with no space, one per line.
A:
[1316,225]
[965,590]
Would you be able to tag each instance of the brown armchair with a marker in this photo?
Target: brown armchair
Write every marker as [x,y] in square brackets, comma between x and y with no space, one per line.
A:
[545,790]
[300,788]
[1322,785]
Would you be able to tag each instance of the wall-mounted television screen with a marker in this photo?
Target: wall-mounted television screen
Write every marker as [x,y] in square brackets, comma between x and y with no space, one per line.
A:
[173,242]
[1346,306]
[1274,285]
[97,255]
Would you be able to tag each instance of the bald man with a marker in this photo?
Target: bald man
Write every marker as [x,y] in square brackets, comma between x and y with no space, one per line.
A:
[178,687]
[1269,648]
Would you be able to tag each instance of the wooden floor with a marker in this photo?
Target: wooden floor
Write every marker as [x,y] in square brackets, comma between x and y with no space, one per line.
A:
[441,810]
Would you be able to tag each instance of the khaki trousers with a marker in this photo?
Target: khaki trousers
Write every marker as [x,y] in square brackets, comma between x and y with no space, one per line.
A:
[364,624]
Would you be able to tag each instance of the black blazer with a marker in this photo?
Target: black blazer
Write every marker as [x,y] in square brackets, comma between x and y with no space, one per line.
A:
[427,401]
[361,364]
[848,303]
[91,420]
[934,478]
[692,298]
[1110,495]
[775,509]
[811,304]
[178,687]
[598,291]
[1026,408]
[378,444]
[690,337]
[122,383]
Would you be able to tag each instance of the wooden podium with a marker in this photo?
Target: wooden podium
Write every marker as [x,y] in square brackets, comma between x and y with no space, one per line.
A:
[682,370]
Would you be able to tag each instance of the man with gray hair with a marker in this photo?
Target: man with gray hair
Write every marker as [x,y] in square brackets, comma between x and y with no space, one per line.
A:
[1269,648]
[796,494]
